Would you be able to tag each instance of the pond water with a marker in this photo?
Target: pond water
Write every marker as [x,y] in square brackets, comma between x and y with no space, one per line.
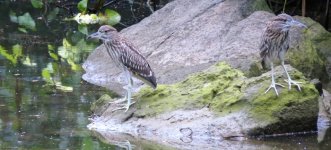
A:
[44,103]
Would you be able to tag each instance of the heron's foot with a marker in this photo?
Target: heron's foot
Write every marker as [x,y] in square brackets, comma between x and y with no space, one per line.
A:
[273,85]
[292,82]
[124,106]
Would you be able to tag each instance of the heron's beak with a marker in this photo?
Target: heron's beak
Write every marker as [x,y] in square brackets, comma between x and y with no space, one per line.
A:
[95,35]
[297,23]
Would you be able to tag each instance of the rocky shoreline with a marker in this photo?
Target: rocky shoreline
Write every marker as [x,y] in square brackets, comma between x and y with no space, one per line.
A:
[211,86]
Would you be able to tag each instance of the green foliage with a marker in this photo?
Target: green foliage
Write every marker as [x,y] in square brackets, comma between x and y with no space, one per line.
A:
[13,17]
[49,75]
[69,52]
[83,29]
[52,14]
[82,6]
[51,52]
[17,52]
[110,17]
[45,73]
[26,21]
[27,62]
[22,30]
[37,3]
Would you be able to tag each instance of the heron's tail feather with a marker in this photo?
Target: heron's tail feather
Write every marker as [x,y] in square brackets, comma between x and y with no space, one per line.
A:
[150,80]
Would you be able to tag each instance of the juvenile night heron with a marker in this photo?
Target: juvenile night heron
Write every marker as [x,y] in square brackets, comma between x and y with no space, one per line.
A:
[126,57]
[275,43]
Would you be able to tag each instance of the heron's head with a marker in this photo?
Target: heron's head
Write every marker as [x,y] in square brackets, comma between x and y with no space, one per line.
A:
[283,22]
[104,33]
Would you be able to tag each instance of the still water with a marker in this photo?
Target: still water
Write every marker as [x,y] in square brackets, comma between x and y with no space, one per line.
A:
[44,103]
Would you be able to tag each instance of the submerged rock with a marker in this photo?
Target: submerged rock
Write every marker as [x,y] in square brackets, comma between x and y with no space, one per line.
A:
[217,104]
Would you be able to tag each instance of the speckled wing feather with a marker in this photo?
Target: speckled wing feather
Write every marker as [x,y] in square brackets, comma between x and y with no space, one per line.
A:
[130,57]
[274,41]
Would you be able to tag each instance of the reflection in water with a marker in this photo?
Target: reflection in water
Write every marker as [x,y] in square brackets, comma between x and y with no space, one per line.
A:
[323,122]
[324,137]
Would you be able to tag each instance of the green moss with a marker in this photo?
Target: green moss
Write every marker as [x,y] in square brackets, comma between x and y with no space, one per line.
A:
[267,107]
[218,88]
[307,60]
[222,89]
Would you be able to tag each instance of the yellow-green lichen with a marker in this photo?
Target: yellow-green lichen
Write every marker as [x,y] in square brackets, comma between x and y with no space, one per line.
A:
[267,107]
[222,88]
[218,88]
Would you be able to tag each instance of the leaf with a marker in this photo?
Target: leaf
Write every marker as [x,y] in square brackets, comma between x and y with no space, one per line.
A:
[50,47]
[110,17]
[51,53]
[74,66]
[65,88]
[8,56]
[86,18]
[46,75]
[54,56]
[13,17]
[17,50]
[83,46]
[37,3]
[22,30]
[83,29]
[28,62]
[82,6]
[52,15]
[27,21]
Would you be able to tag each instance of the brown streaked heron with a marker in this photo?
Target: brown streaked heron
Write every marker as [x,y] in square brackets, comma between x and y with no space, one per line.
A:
[126,57]
[274,45]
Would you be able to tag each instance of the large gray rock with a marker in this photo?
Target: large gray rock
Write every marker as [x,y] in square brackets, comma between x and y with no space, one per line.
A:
[187,36]
[211,107]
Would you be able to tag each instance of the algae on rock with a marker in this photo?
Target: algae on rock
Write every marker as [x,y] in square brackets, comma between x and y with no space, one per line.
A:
[234,104]
[217,88]
[225,90]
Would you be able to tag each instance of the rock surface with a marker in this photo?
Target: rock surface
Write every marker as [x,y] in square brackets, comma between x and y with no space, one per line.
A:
[225,100]
[215,105]
[187,36]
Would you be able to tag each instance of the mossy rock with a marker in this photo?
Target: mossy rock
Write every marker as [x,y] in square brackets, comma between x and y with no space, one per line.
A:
[310,55]
[217,88]
[225,90]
